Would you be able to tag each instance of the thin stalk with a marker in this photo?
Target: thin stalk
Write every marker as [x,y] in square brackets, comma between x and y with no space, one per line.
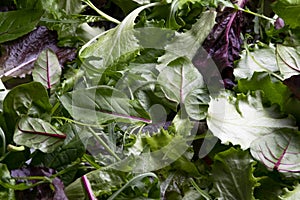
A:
[99,139]
[75,122]
[105,16]
[136,178]
[255,14]
[203,193]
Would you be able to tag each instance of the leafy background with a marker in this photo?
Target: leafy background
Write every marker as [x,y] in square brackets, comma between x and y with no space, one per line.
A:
[145,99]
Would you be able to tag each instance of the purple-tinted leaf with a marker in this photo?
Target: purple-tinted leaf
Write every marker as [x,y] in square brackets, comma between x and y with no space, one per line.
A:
[224,43]
[293,84]
[42,191]
[20,54]
[47,69]
[278,151]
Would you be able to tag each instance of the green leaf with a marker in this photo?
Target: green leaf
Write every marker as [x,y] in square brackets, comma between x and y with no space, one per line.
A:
[242,120]
[291,194]
[279,151]
[288,60]
[38,134]
[103,182]
[6,193]
[186,44]
[29,99]
[47,69]
[288,10]
[180,78]
[103,104]
[196,104]
[259,60]
[274,91]
[232,173]
[14,24]
[112,45]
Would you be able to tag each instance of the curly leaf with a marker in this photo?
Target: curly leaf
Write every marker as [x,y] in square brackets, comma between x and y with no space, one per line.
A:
[242,120]
[278,150]
[38,134]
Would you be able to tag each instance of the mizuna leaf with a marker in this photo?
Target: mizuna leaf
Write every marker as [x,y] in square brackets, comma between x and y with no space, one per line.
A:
[242,120]
[288,60]
[14,24]
[47,69]
[102,104]
[232,173]
[38,134]
[112,45]
[180,78]
[279,151]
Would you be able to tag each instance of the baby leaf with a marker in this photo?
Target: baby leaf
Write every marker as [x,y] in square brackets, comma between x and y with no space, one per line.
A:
[242,120]
[47,69]
[14,24]
[38,134]
[279,150]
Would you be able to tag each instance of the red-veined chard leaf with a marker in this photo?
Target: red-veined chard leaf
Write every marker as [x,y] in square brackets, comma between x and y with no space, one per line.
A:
[14,24]
[288,60]
[241,120]
[279,151]
[47,69]
[102,104]
[38,134]
[233,175]
[29,99]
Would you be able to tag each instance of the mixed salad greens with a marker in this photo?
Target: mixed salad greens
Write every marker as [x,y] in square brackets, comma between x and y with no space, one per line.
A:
[149,99]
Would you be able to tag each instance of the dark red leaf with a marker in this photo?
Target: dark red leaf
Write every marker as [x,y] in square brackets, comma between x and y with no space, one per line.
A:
[293,84]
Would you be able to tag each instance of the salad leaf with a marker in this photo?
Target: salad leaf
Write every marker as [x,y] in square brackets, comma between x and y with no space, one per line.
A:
[288,60]
[243,119]
[291,194]
[233,175]
[278,151]
[288,10]
[180,78]
[38,134]
[47,69]
[259,60]
[17,23]
[6,193]
[102,104]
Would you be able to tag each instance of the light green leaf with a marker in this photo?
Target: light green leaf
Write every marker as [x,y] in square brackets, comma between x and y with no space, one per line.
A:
[102,104]
[288,60]
[112,45]
[186,44]
[259,60]
[14,24]
[288,10]
[38,134]
[196,104]
[233,175]
[242,120]
[291,194]
[180,78]
[279,151]
[47,69]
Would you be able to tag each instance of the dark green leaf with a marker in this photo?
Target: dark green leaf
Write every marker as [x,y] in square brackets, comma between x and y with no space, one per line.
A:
[14,24]
[289,11]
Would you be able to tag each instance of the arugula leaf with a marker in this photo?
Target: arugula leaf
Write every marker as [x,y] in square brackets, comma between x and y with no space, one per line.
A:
[38,134]
[14,24]
[233,175]
[278,151]
[288,10]
[47,70]
[243,119]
